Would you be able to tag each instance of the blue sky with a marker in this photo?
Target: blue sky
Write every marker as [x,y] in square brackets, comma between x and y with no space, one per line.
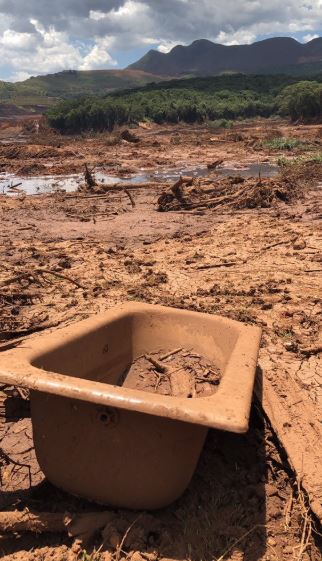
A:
[45,36]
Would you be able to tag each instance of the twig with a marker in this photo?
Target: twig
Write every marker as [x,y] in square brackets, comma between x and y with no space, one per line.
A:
[11,344]
[217,265]
[119,549]
[283,242]
[127,192]
[157,384]
[17,278]
[9,460]
[89,180]
[307,526]
[14,186]
[222,557]
[58,275]
[312,350]
[161,368]
[288,510]
[171,353]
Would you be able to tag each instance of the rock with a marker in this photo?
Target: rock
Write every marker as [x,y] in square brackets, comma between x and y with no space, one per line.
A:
[299,244]
[290,346]
[106,556]
[110,251]
[137,556]
[215,164]
[151,556]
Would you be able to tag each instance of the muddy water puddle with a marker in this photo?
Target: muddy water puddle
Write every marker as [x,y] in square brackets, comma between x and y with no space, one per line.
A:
[15,184]
[53,183]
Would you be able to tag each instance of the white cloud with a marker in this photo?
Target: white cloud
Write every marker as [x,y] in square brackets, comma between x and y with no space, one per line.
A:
[310,37]
[96,15]
[42,36]
[98,57]
[166,46]
[14,40]
[20,76]
[240,37]
[48,50]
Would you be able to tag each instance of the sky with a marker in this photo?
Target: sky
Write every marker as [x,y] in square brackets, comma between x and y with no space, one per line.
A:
[46,36]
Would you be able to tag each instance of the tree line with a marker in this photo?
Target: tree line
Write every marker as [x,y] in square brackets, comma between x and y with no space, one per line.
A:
[192,101]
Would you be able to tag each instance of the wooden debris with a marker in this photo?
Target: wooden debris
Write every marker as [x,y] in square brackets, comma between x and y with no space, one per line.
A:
[216,265]
[170,354]
[127,192]
[182,384]
[215,164]
[185,374]
[31,276]
[226,192]
[60,276]
[129,137]
[310,351]
[89,179]
[161,368]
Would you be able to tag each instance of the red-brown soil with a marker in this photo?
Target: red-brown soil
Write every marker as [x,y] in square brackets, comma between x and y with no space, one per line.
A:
[64,258]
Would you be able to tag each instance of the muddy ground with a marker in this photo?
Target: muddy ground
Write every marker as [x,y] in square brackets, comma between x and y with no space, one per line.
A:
[65,257]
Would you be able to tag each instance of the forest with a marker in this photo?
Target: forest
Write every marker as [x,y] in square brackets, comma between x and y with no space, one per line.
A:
[195,100]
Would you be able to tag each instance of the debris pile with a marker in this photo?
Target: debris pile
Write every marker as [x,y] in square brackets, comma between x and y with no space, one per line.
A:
[303,172]
[129,136]
[92,188]
[179,373]
[231,192]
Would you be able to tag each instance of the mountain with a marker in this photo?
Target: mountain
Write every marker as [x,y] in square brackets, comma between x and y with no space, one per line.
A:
[37,93]
[204,58]
[201,58]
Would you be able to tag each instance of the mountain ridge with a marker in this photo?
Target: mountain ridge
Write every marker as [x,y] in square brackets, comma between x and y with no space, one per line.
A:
[203,57]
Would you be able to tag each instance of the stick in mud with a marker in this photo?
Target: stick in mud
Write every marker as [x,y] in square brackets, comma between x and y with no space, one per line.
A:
[89,179]
[127,192]
[161,368]
[170,354]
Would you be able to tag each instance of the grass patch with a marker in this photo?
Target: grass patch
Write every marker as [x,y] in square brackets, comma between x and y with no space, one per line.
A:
[221,124]
[283,143]
[312,158]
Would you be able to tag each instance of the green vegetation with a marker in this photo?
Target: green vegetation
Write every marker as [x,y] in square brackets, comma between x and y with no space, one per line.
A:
[43,91]
[221,124]
[217,100]
[302,101]
[72,83]
[282,143]
[312,158]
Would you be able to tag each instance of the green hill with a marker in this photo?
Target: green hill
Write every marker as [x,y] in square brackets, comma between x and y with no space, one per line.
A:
[38,93]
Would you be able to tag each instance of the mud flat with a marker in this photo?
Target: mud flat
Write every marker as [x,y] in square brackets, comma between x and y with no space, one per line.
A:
[65,257]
